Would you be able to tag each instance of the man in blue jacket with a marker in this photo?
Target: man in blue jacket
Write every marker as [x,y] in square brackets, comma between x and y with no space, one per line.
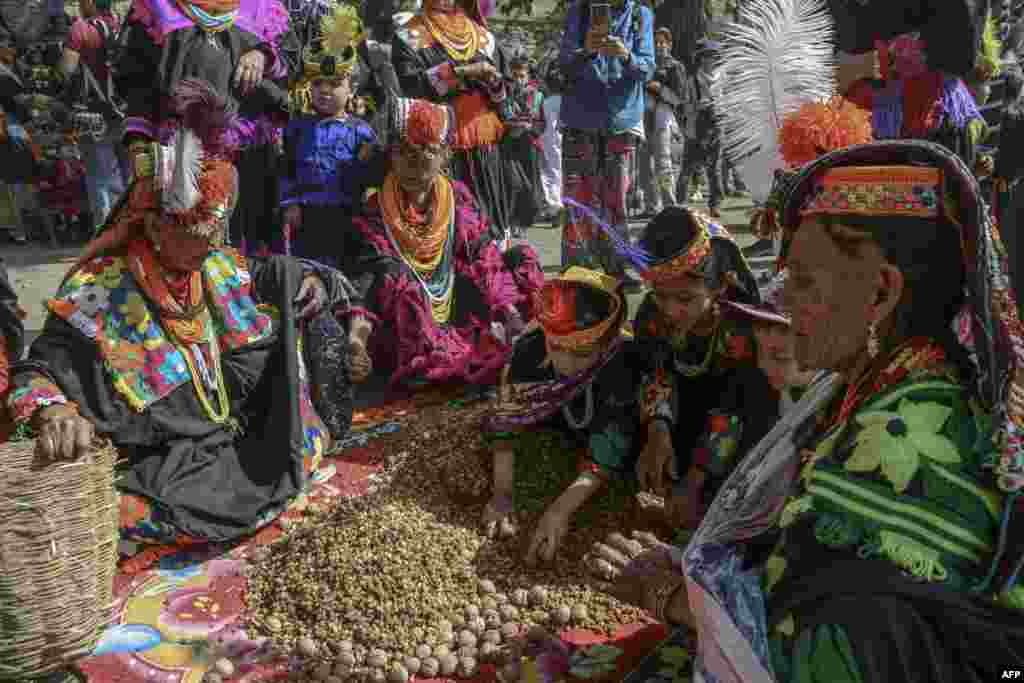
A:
[607,55]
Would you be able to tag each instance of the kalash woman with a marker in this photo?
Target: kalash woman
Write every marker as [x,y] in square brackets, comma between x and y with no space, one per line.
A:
[221,380]
[875,533]
[446,301]
[247,52]
[691,349]
[570,372]
[446,54]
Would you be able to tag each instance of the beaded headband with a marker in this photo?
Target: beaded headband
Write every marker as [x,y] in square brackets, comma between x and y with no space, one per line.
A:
[877,191]
[578,340]
[686,261]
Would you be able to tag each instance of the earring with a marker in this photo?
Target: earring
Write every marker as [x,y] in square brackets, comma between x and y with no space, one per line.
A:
[872,339]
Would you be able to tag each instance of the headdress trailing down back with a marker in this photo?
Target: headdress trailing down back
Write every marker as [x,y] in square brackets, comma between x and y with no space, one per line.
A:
[913,178]
[580,309]
[333,53]
[191,179]
[669,257]
[422,122]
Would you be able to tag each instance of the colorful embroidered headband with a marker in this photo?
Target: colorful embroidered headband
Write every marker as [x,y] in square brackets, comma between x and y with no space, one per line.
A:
[558,310]
[877,191]
[687,261]
[421,122]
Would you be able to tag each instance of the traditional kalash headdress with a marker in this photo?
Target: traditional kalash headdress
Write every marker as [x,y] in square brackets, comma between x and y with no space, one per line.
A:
[778,109]
[331,53]
[914,178]
[191,179]
[582,312]
[421,122]
[667,258]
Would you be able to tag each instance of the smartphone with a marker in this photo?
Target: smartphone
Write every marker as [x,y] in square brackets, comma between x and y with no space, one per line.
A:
[600,17]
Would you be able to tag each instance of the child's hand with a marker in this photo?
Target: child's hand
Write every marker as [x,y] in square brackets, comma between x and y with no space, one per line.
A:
[548,537]
[499,517]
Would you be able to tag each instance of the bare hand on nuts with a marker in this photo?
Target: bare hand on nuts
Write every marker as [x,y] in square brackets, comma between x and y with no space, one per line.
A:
[547,537]
[499,517]
[63,433]
[622,566]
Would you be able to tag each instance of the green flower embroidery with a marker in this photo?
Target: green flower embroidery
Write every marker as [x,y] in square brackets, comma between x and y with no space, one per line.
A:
[896,441]
[774,568]
[594,661]
[675,663]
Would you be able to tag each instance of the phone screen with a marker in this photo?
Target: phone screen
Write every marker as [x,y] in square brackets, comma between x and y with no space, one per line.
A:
[600,16]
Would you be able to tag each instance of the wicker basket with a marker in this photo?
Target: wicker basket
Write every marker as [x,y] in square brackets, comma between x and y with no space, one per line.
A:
[58,555]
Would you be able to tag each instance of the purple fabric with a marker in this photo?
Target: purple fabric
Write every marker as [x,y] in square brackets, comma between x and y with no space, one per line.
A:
[958,105]
[139,126]
[245,132]
[267,19]
[547,399]
[887,111]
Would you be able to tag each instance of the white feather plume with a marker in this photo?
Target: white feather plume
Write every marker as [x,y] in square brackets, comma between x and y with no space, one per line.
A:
[183,193]
[777,57]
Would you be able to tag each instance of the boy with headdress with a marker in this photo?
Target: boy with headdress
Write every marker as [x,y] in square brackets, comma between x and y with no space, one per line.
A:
[569,372]
[326,151]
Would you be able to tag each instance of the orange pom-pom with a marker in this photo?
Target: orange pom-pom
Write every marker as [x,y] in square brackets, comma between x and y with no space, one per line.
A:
[821,127]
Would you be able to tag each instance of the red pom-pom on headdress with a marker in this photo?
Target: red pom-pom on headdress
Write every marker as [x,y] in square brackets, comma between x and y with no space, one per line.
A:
[818,128]
[558,308]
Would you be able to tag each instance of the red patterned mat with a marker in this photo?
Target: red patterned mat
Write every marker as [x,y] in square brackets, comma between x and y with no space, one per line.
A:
[178,610]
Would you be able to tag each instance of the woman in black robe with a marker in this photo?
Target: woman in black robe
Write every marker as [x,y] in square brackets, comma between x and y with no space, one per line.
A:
[247,52]
[222,381]
[446,54]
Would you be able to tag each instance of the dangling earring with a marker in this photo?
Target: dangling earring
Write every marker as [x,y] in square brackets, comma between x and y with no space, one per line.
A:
[872,339]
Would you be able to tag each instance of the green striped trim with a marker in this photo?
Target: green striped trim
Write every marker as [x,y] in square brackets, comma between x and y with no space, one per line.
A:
[885,512]
[900,393]
[992,501]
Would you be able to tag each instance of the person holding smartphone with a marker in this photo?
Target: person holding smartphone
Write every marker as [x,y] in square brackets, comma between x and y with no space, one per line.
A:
[607,55]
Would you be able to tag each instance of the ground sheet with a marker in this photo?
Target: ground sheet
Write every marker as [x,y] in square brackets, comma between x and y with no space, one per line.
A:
[179,609]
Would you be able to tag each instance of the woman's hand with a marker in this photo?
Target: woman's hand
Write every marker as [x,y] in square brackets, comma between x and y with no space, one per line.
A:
[313,293]
[63,433]
[655,465]
[250,70]
[639,570]
[478,71]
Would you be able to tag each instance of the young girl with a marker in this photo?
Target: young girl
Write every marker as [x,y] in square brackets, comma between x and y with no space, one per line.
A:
[749,409]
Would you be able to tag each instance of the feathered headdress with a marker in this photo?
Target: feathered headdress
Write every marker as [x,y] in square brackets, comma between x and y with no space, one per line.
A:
[191,179]
[341,31]
[776,58]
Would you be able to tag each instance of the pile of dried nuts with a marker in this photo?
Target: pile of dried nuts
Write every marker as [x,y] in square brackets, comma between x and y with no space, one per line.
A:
[402,583]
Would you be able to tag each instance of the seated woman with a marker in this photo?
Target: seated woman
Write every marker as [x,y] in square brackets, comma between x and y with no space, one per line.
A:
[688,349]
[753,400]
[12,341]
[431,274]
[213,374]
[875,533]
[569,372]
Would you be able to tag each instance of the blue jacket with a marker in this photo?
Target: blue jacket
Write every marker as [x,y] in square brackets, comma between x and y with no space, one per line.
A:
[606,94]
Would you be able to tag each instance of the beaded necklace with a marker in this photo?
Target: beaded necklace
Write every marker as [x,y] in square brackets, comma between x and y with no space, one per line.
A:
[456,33]
[588,411]
[689,370]
[436,277]
[210,23]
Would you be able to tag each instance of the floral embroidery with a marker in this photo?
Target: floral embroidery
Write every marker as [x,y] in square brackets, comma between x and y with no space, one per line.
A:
[595,661]
[104,303]
[896,441]
[24,401]
[135,312]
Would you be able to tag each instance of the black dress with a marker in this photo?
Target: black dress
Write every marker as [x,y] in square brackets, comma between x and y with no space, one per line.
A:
[424,72]
[204,478]
[163,47]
